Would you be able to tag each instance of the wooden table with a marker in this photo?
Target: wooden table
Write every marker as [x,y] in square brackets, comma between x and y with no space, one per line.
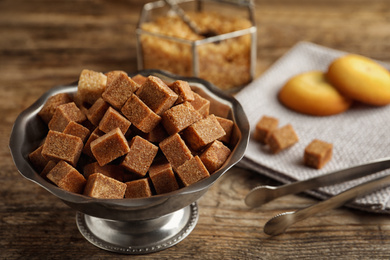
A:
[47,43]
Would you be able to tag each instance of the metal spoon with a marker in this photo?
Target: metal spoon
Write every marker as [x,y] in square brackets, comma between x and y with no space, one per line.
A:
[263,194]
[182,14]
[278,224]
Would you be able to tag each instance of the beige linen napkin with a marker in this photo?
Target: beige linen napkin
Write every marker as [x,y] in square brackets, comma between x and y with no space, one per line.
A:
[359,135]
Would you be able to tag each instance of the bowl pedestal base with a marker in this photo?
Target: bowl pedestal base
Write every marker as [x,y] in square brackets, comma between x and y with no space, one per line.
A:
[138,236]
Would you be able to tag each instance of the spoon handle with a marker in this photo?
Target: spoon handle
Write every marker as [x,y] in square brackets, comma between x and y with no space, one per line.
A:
[281,222]
[319,181]
[180,12]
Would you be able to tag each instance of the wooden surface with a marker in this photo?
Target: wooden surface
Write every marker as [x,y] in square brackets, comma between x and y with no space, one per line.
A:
[44,43]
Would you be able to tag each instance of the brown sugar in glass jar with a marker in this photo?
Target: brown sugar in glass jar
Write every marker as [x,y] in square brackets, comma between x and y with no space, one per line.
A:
[226,59]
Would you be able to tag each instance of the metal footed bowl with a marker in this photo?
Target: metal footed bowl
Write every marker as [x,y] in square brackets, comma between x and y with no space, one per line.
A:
[132,226]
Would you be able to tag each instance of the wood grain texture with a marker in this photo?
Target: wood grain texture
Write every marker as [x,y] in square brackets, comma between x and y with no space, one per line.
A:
[44,43]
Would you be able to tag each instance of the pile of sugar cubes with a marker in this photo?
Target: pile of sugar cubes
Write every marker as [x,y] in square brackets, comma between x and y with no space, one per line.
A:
[129,137]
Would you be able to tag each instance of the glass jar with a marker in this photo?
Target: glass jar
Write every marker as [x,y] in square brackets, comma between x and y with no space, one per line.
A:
[226,58]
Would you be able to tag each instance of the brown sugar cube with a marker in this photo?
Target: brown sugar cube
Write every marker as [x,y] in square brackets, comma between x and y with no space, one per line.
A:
[109,147]
[96,112]
[227,126]
[179,117]
[140,156]
[163,177]
[66,177]
[140,115]
[50,165]
[138,189]
[282,138]
[192,171]
[157,134]
[59,146]
[203,132]
[175,150]
[91,86]
[119,88]
[114,72]
[317,153]
[87,147]
[157,95]
[64,114]
[103,187]
[78,130]
[214,156]
[37,160]
[183,90]
[139,79]
[48,109]
[201,105]
[113,119]
[109,170]
[264,128]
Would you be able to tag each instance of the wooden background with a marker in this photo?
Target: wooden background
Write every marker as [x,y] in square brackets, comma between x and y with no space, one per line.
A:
[44,43]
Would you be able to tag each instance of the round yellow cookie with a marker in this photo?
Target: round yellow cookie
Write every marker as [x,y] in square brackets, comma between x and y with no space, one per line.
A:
[361,79]
[310,93]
